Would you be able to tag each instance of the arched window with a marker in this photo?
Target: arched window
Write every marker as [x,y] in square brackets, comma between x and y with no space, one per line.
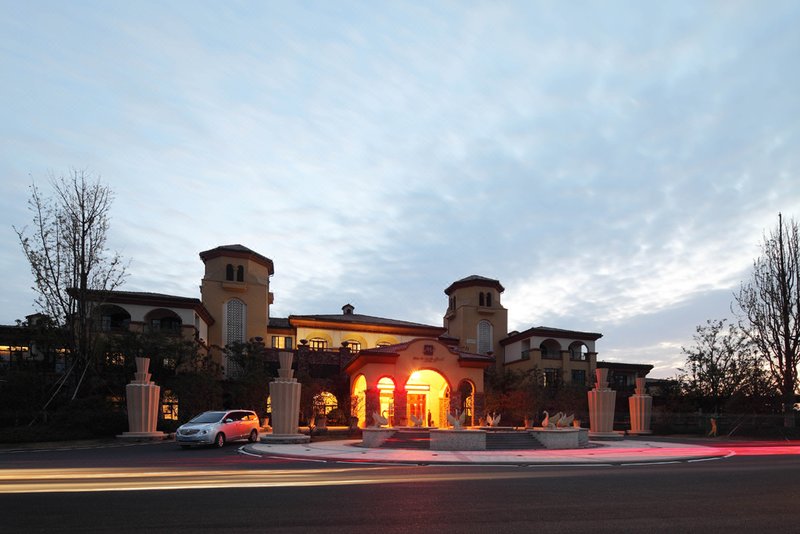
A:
[229,272]
[324,402]
[480,299]
[317,343]
[353,345]
[235,316]
[484,337]
[240,274]
[489,299]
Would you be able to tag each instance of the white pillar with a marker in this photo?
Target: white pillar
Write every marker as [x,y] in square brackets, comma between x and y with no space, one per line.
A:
[641,406]
[602,401]
[285,393]
[143,399]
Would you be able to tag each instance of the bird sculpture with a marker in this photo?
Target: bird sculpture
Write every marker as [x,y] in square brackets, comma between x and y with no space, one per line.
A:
[546,420]
[379,420]
[457,421]
[555,419]
[494,419]
[566,421]
[416,421]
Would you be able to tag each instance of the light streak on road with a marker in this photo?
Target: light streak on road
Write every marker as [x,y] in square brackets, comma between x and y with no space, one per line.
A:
[92,480]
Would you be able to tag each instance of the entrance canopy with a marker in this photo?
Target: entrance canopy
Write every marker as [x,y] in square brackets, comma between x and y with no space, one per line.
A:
[417,382]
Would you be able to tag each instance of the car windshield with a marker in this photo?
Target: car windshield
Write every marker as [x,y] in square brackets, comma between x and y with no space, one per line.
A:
[208,417]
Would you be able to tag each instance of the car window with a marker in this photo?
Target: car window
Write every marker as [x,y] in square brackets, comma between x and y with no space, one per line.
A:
[208,417]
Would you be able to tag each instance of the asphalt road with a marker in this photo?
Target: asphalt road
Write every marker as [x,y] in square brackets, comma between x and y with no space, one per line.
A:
[162,488]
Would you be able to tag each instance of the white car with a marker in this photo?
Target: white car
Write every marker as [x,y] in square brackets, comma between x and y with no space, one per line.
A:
[217,428]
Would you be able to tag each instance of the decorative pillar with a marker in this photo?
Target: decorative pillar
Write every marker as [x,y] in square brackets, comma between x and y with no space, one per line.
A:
[641,406]
[372,404]
[285,393]
[602,401]
[400,407]
[143,400]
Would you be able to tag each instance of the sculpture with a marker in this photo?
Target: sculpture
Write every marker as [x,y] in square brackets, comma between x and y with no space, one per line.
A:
[555,419]
[416,421]
[565,422]
[378,420]
[457,422]
[492,419]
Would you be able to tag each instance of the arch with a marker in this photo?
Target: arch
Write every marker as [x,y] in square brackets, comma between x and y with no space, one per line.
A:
[466,390]
[428,397]
[235,321]
[240,273]
[358,400]
[385,341]
[229,272]
[489,299]
[481,301]
[112,318]
[578,351]
[484,336]
[163,320]
[550,349]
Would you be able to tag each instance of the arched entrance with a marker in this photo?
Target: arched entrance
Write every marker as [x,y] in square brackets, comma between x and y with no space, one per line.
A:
[358,400]
[466,392]
[428,397]
[386,398]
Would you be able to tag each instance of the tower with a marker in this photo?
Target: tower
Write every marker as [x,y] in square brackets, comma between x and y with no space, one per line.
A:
[235,290]
[475,315]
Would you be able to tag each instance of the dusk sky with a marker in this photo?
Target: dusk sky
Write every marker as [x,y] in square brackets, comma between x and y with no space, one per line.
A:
[613,164]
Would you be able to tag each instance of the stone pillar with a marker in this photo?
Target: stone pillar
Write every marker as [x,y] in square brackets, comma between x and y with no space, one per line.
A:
[143,400]
[400,407]
[285,393]
[641,406]
[372,404]
[602,401]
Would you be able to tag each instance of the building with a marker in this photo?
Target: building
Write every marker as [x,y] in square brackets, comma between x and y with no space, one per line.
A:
[403,368]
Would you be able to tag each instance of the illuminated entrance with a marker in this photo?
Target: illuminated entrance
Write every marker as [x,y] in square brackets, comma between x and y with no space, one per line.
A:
[428,397]
[419,380]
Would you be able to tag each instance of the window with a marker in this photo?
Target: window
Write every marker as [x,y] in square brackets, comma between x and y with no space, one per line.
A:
[281,342]
[324,402]
[481,301]
[353,345]
[577,352]
[489,299]
[551,377]
[550,350]
[229,272]
[317,343]
[579,377]
[240,274]
[484,337]
[235,311]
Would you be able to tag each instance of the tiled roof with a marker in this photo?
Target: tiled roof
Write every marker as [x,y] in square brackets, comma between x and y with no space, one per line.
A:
[238,251]
[475,281]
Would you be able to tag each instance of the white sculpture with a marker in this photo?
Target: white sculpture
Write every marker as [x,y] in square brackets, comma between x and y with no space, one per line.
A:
[546,420]
[458,421]
[492,419]
[555,419]
[416,421]
[566,421]
[378,420]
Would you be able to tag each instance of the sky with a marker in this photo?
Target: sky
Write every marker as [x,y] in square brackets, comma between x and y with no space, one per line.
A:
[614,164]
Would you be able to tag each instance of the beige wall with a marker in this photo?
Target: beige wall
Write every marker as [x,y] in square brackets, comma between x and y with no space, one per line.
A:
[253,292]
[462,321]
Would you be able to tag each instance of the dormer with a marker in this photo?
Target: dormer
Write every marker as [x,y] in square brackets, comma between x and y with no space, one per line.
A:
[347,309]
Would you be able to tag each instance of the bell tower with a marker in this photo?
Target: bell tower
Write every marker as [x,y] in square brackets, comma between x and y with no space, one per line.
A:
[235,290]
[475,315]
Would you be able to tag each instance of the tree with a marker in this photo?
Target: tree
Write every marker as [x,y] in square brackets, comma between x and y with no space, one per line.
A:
[722,364]
[66,250]
[770,308]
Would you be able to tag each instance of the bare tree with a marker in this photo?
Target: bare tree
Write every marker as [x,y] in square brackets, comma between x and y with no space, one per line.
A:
[66,249]
[770,307]
[721,364]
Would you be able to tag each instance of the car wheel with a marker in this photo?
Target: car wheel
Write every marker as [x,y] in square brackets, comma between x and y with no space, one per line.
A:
[219,441]
[253,436]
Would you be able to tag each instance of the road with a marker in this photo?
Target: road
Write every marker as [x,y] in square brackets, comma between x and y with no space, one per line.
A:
[161,488]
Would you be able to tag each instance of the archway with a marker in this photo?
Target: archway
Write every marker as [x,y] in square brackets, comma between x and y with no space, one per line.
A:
[386,398]
[466,390]
[358,400]
[428,397]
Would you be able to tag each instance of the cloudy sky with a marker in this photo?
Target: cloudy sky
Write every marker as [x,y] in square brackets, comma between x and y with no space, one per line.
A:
[613,164]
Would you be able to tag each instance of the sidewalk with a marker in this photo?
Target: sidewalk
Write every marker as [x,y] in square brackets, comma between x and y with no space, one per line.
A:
[628,451]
